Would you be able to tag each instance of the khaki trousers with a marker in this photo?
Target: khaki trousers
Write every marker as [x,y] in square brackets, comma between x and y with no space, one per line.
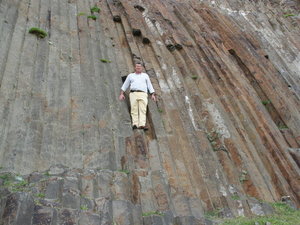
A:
[138,104]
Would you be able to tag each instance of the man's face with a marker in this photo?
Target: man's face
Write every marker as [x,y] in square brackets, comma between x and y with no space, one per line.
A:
[138,68]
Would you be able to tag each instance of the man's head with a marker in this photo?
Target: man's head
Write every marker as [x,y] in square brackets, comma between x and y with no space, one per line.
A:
[138,68]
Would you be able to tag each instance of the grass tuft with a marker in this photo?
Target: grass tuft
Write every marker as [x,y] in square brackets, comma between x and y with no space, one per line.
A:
[105,60]
[194,77]
[38,32]
[93,17]
[266,102]
[288,15]
[95,9]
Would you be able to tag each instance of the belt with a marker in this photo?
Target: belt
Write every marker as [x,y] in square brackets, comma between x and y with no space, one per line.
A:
[136,91]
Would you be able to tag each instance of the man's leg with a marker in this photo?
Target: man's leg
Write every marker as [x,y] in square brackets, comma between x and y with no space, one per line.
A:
[143,101]
[134,111]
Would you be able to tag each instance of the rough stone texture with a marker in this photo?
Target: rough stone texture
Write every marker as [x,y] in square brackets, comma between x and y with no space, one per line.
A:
[227,122]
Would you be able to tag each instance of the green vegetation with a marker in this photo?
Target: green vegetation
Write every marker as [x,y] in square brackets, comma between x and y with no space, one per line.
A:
[47,174]
[284,215]
[235,197]
[105,60]
[152,213]
[81,14]
[38,32]
[95,9]
[124,171]
[213,213]
[288,15]
[282,126]
[160,110]
[40,195]
[84,207]
[194,77]
[92,17]
[266,102]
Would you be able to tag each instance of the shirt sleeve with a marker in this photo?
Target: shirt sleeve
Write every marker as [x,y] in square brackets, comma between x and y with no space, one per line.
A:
[126,83]
[149,84]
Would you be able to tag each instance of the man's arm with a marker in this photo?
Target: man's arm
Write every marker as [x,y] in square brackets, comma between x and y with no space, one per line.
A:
[150,88]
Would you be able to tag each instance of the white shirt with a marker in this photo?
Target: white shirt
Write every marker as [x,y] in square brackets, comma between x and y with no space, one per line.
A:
[138,82]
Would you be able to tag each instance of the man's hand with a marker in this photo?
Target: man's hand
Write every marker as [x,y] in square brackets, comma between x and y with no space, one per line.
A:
[153,97]
[122,96]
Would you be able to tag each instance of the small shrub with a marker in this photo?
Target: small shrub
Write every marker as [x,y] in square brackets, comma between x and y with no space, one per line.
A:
[38,32]
[95,9]
[105,60]
[93,17]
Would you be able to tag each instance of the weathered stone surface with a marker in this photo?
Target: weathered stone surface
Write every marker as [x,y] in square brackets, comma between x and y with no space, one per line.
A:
[226,124]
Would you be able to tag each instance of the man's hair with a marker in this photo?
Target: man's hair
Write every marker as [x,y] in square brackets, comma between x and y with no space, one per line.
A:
[138,64]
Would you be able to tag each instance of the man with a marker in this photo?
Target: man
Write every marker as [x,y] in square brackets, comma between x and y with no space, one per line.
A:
[139,84]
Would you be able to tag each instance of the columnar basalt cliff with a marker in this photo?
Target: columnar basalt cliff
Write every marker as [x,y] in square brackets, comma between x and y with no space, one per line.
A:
[224,134]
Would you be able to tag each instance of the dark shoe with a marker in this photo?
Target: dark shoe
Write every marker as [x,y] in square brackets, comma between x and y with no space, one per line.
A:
[144,127]
[134,127]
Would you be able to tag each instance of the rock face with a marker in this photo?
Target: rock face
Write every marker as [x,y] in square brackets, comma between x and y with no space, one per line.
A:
[224,133]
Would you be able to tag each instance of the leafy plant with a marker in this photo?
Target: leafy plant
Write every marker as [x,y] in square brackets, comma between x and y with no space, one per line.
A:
[105,60]
[95,9]
[38,32]
[92,17]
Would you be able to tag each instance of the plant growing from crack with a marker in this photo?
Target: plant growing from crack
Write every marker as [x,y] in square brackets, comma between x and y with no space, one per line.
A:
[282,126]
[40,195]
[105,60]
[194,77]
[288,15]
[93,17]
[38,32]
[95,9]
[84,207]
[266,102]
